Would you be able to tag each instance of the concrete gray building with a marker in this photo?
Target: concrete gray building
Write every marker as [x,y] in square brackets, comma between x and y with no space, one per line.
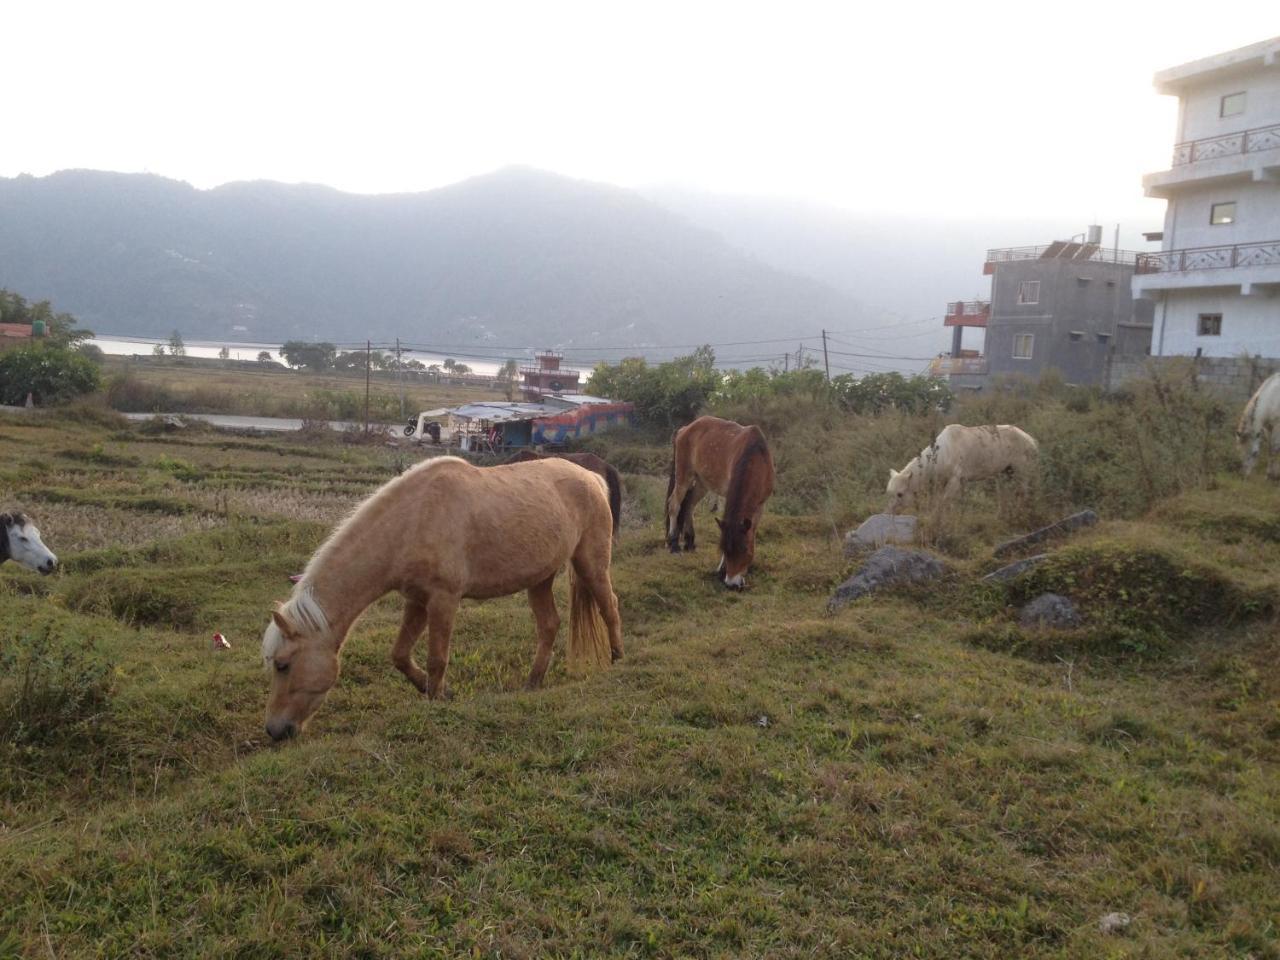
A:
[1064,306]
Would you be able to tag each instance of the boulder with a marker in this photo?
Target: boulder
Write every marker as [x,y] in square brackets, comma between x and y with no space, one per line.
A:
[878,530]
[1018,567]
[1085,518]
[1114,923]
[1050,610]
[887,567]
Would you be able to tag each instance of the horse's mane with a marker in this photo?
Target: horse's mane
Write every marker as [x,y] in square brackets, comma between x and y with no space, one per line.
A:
[1248,414]
[732,536]
[302,608]
[8,520]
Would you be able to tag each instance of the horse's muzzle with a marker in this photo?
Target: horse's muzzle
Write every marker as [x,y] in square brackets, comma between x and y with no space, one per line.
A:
[48,567]
[279,730]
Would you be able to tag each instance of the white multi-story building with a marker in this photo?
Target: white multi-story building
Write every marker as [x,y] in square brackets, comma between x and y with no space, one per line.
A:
[1216,280]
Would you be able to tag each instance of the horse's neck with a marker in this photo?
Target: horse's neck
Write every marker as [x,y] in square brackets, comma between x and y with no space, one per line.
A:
[350,573]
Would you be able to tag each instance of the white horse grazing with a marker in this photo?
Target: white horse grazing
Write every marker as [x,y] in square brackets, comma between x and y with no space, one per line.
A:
[961,454]
[1260,420]
[21,543]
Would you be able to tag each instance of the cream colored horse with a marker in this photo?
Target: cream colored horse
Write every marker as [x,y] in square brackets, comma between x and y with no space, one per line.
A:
[960,455]
[437,534]
[1261,421]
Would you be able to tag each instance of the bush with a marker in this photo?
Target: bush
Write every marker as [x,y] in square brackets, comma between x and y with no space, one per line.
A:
[50,689]
[50,374]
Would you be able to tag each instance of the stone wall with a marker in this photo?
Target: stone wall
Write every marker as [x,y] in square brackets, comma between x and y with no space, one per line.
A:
[1234,377]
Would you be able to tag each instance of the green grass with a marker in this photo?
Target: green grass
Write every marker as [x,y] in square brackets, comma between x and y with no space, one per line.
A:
[915,776]
[144,386]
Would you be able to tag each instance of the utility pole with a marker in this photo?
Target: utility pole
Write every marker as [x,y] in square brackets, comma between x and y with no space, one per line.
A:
[368,362]
[786,362]
[825,362]
[400,376]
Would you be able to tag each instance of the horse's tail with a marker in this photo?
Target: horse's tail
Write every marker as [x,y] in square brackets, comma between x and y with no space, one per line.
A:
[588,637]
[613,480]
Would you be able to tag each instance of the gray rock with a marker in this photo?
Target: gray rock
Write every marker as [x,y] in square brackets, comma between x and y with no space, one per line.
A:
[1114,923]
[1050,610]
[878,530]
[887,567]
[1085,518]
[1017,568]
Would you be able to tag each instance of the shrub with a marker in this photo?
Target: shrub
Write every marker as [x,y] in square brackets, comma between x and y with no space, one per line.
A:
[50,688]
[50,374]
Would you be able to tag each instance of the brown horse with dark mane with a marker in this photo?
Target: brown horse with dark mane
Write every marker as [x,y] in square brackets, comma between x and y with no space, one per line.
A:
[734,461]
[588,461]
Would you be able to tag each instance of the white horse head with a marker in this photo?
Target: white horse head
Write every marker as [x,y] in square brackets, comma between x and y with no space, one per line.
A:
[21,543]
[901,487]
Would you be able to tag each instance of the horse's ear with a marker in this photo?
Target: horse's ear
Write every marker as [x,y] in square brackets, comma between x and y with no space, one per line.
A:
[892,473]
[284,625]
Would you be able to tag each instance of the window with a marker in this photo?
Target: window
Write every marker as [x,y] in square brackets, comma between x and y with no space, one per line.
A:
[1209,325]
[1103,337]
[1232,105]
[1022,345]
[1029,291]
[1076,335]
[1221,213]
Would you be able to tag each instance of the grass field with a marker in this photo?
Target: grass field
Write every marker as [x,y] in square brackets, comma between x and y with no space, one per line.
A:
[914,776]
[149,386]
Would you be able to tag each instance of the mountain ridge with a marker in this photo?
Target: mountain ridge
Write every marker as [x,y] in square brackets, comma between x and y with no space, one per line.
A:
[518,255]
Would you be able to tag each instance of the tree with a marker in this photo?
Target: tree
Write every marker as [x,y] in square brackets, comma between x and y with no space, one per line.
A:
[317,357]
[669,394]
[508,373]
[264,356]
[60,328]
[461,368]
[356,359]
[158,350]
[176,347]
[224,353]
[50,373]
[449,363]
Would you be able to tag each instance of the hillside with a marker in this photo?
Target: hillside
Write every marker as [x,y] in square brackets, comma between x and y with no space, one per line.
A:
[916,775]
[517,257]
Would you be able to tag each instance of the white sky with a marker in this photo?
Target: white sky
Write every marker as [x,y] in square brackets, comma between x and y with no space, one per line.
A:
[954,109]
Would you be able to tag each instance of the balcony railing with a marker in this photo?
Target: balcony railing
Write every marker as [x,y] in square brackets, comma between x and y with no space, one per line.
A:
[1061,250]
[1228,145]
[967,313]
[1265,254]
[946,366]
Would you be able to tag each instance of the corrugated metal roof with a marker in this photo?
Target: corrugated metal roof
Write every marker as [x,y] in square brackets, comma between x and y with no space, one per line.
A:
[500,412]
[580,399]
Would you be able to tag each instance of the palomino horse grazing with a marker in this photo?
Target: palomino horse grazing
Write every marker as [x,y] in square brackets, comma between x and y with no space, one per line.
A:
[21,543]
[438,533]
[735,462]
[588,461]
[959,455]
[1261,421]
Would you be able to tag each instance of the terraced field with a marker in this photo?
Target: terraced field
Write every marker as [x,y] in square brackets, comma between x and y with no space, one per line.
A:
[916,775]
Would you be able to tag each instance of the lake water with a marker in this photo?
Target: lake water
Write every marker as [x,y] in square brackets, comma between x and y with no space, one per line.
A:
[127,346]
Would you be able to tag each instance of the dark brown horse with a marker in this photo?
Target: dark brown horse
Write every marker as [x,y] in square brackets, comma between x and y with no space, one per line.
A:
[588,461]
[734,461]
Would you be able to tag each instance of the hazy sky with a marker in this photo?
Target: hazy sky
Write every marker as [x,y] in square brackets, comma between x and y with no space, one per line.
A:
[1005,109]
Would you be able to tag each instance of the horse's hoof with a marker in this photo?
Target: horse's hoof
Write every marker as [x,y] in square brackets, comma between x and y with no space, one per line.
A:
[673,547]
[615,656]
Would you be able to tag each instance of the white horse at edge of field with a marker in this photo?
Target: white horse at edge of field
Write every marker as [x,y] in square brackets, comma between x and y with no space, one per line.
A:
[960,455]
[1261,419]
[21,543]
